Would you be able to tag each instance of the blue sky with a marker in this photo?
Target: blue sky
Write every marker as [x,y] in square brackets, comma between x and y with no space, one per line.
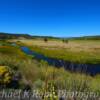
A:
[50,17]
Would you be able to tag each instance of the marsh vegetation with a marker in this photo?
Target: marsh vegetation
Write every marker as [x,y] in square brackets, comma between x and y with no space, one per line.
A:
[81,51]
[40,75]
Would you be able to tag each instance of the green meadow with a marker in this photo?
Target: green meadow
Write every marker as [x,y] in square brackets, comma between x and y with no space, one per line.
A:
[81,51]
[40,75]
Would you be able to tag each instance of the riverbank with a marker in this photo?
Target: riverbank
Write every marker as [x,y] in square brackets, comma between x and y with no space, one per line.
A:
[79,51]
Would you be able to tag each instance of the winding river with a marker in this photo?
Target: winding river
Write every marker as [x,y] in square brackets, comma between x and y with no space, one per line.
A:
[91,69]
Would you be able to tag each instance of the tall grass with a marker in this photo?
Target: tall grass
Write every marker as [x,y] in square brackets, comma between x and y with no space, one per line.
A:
[40,74]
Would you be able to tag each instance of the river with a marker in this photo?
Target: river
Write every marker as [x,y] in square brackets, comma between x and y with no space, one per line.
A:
[91,69]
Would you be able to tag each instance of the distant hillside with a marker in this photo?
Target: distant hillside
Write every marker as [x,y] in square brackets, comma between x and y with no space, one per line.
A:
[26,36]
[14,36]
[86,38]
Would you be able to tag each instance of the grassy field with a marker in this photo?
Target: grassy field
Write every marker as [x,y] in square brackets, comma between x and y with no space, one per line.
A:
[40,75]
[81,51]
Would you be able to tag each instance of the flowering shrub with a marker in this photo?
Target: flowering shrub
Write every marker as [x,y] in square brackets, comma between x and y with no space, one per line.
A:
[5,75]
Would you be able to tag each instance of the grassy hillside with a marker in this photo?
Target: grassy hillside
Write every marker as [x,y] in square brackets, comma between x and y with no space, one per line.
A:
[27,36]
[14,36]
[4,36]
[97,37]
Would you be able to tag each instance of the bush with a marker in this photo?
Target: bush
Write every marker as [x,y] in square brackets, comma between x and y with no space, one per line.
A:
[65,40]
[5,75]
[45,40]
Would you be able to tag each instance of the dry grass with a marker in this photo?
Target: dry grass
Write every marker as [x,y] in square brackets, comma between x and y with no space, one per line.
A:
[76,45]
[82,51]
